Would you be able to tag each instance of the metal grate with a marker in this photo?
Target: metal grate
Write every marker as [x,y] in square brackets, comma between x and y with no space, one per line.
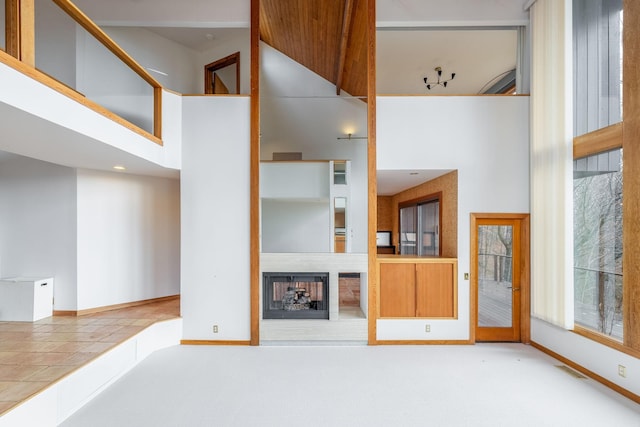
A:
[574,374]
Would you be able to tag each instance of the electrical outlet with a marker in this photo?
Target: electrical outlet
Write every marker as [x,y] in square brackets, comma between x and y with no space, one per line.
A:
[215,329]
[427,328]
[466,276]
[622,371]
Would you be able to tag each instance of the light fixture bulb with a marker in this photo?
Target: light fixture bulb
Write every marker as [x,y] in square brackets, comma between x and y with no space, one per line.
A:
[119,168]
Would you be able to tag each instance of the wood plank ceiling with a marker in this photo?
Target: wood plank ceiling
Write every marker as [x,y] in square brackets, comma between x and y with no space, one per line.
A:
[329,37]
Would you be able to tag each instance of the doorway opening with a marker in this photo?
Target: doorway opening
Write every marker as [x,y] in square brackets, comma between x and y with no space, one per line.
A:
[222,77]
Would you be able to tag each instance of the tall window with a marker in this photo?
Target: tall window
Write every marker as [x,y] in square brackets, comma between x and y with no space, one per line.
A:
[597,174]
[420,227]
[597,209]
[597,59]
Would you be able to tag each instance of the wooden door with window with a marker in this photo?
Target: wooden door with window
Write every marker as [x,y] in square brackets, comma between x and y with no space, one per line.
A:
[500,277]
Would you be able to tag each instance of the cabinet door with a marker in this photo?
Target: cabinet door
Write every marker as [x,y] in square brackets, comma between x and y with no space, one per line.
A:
[397,290]
[434,290]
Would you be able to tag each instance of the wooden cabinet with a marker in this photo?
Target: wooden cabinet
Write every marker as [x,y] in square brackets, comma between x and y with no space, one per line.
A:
[397,290]
[417,287]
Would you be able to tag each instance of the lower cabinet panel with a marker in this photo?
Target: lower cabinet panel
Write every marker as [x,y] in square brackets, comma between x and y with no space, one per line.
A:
[417,287]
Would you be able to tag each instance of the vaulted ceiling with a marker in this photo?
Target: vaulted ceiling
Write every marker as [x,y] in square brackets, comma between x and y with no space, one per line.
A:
[329,37]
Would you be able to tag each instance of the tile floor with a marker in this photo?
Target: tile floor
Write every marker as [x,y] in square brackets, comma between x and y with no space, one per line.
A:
[34,355]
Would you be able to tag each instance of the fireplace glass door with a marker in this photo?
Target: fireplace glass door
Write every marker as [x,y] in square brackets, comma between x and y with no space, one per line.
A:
[295,296]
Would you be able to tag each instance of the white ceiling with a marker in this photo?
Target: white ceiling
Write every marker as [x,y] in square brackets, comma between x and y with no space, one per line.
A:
[198,39]
[236,13]
[476,56]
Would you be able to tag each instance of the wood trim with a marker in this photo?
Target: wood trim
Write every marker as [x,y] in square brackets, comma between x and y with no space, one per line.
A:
[601,140]
[20,30]
[234,58]
[52,83]
[86,23]
[210,342]
[468,95]
[425,342]
[473,281]
[525,280]
[12,27]
[157,113]
[344,40]
[420,200]
[87,311]
[605,340]
[615,387]
[630,175]
[65,313]
[229,95]
[372,314]
[254,194]
[27,32]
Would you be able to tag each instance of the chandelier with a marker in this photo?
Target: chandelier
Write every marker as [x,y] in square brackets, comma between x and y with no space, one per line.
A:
[439,81]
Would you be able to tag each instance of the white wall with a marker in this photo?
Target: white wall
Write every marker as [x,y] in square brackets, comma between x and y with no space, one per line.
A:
[301,113]
[236,43]
[215,182]
[589,354]
[38,224]
[291,180]
[42,123]
[154,51]
[128,238]
[487,140]
[296,226]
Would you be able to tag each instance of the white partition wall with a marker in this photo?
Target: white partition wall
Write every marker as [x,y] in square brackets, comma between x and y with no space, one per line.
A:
[487,140]
[128,238]
[215,218]
[38,224]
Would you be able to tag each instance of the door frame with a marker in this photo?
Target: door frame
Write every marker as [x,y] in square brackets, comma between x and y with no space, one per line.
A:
[525,272]
[209,69]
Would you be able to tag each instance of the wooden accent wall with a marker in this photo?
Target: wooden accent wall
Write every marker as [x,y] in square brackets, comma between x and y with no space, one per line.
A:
[631,177]
[329,37]
[385,213]
[448,186]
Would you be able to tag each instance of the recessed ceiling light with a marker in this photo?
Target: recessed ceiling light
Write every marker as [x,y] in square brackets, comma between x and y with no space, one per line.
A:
[119,168]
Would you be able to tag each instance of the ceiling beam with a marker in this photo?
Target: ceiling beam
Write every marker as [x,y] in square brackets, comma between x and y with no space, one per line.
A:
[344,39]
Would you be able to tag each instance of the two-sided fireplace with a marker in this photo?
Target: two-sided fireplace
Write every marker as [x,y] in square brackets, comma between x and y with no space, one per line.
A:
[295,296]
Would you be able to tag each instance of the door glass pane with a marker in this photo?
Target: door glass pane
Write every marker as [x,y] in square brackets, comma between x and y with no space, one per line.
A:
[495,266]
[408,230]
[428,215]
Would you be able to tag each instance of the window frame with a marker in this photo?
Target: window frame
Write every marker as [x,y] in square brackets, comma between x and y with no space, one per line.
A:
[599,141]
[434,197]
